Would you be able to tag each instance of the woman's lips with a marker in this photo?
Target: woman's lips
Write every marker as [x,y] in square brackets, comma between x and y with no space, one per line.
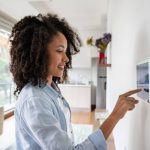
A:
[61,67]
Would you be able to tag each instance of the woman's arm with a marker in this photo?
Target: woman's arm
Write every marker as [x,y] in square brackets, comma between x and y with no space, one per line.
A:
[124,103]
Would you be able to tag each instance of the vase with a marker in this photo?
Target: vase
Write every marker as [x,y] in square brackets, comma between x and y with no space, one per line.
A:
[102,58]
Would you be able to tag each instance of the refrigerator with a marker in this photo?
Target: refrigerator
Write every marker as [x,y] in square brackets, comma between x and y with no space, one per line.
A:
[101,88]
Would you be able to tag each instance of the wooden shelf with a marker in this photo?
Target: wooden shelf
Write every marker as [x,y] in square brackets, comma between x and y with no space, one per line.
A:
[105,65]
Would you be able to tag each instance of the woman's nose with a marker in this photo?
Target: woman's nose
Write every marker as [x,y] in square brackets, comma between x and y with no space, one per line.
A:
[66,59]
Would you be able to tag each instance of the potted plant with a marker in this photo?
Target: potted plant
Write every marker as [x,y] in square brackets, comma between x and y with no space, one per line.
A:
[101,44]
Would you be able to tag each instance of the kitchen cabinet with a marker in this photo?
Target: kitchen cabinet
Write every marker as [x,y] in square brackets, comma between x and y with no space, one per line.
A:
[82,59]
[94,52]
[78,96]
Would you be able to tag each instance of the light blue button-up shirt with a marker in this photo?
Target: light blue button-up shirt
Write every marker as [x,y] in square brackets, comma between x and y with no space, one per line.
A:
[41,124]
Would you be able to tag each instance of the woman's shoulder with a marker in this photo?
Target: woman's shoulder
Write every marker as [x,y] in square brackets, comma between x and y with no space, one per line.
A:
[31,92]
[33,95]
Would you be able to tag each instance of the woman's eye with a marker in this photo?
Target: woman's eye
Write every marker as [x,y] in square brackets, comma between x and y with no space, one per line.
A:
[59,50]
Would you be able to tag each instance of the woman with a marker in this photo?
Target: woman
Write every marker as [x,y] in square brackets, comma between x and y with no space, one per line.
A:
[41,49]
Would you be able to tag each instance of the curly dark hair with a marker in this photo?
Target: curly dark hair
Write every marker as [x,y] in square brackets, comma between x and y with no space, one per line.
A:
[28,52]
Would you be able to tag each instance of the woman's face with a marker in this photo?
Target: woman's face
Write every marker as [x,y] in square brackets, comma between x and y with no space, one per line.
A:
[57,55]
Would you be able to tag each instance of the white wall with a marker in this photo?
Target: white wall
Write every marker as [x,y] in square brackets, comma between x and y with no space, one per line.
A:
[129,23]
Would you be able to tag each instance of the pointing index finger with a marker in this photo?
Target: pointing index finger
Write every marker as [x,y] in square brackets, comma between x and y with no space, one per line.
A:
[131,92]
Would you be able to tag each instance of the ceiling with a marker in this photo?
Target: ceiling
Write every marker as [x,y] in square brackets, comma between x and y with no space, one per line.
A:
[81,14]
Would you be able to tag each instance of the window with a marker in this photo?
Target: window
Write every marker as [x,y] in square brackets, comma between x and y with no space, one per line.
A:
[7,98]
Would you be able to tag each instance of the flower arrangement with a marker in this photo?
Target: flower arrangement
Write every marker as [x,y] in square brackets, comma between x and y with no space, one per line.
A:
[101,44]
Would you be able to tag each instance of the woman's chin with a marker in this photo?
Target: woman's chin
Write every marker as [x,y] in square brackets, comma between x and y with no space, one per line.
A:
[59,75]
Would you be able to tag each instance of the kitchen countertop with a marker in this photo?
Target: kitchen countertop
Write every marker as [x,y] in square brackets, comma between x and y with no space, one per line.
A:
[75,85]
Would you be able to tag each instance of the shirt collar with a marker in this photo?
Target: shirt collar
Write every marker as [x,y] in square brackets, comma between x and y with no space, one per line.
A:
[51,91]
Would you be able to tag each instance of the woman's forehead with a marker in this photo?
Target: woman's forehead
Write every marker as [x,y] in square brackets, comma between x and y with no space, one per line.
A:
[59,40]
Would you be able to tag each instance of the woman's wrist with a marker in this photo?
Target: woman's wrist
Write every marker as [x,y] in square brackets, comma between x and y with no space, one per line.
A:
[108,125]
[114,117]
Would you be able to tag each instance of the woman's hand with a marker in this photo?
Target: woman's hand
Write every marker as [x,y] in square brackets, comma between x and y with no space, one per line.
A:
[124,103]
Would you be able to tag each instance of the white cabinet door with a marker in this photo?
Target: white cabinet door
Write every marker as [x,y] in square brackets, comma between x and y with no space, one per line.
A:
[82,59]
[94,52]
[78,97]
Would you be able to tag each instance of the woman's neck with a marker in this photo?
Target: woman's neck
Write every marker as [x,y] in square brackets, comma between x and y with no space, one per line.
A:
[49,80]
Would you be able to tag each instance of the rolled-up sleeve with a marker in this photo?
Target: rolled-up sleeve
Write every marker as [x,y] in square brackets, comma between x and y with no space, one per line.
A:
[45,129]
[98,139]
